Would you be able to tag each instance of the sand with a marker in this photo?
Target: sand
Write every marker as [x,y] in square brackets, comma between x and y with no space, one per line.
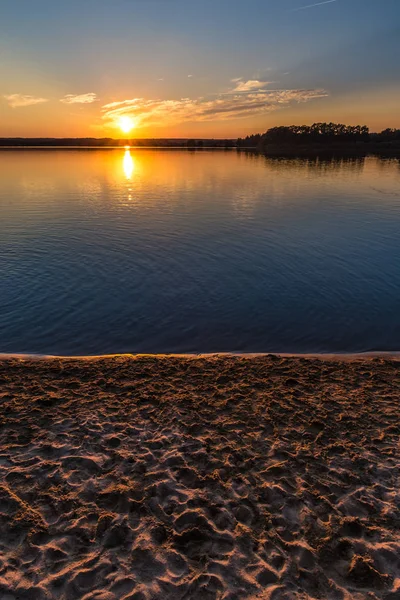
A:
[214,477]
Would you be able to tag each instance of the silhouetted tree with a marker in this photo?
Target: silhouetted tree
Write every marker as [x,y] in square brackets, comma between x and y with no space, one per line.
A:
[320,133]
[388,135]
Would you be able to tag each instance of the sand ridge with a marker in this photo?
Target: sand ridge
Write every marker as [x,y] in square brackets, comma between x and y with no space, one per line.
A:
[224,477]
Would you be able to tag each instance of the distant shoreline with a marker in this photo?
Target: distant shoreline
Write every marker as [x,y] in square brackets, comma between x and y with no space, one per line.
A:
[350,150]
[197,144]
[123,148]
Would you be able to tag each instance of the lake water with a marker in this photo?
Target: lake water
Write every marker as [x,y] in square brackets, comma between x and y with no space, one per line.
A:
[105,251]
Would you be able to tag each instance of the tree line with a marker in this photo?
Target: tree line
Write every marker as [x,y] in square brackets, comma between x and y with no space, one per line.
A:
[318,133]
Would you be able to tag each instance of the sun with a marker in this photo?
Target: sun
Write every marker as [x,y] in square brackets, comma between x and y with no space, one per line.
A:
[126,124]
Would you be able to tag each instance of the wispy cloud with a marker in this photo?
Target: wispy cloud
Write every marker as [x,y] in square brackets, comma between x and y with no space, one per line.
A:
[20,100]
[250,85]
[237,103]
[80,98]
[312,5]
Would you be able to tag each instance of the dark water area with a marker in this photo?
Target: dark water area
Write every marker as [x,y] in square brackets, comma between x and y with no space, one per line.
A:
[110,251]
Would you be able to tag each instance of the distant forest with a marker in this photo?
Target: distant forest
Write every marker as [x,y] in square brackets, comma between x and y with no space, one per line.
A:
[319,134]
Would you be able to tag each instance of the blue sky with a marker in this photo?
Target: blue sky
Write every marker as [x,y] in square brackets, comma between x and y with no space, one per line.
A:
[196,67]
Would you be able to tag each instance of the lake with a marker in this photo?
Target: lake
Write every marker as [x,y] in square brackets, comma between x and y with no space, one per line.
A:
[128,250]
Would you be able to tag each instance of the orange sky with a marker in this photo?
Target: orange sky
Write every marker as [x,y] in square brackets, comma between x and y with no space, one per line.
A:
[220,69]
[378,109]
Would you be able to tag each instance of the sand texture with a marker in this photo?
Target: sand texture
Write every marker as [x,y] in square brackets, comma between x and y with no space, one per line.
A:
[199,478]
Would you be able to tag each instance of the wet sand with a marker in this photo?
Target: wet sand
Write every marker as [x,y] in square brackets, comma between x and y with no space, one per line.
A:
[213,477]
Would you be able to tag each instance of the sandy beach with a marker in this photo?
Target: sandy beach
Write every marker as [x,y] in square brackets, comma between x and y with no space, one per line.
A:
[212,477]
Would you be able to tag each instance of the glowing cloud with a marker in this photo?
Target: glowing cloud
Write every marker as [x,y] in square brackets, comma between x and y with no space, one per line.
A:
[79,99]
[20,100]
[237,103]
[248,86]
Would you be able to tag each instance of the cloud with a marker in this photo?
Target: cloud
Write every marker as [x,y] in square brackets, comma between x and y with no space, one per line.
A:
[312,5]
[231,105]
[80,98]
[19,100]
[248,86]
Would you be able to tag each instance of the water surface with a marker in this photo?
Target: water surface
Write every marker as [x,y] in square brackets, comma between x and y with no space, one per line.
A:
[105,251]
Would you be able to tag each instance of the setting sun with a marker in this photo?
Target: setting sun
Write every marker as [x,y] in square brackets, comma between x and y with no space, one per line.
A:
[126,124]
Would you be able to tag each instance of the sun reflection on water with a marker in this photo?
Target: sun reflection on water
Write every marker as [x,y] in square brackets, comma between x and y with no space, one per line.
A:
[128,164]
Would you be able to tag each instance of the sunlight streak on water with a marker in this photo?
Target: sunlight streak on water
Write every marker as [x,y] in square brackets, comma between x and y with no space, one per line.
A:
[128,165]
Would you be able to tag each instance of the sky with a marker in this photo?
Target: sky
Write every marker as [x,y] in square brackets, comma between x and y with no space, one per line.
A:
[196,68]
